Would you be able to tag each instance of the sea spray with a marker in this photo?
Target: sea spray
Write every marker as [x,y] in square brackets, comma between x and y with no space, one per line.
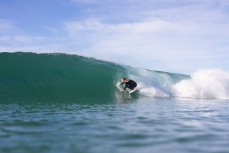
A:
[207,83]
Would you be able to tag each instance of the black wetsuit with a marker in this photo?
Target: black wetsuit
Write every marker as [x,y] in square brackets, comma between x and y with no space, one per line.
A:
[130,84]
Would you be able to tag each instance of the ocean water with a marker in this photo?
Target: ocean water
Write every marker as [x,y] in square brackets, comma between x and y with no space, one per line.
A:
[67,103]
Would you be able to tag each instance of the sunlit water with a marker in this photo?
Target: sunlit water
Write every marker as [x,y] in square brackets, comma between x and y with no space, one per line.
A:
[145,125]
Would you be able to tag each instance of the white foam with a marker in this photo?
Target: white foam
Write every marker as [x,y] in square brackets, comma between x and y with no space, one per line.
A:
[153,92]
[207,83]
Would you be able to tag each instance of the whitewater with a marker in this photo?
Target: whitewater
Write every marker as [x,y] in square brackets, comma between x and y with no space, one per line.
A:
[55,103]
[205,83]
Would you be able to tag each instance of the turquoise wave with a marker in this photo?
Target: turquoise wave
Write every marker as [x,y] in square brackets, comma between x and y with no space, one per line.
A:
[68,78]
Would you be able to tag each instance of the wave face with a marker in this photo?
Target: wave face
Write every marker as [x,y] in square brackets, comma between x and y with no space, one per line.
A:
[56,77]
[71,78]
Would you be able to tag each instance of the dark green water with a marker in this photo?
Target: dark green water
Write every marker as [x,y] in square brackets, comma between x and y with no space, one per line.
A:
[56,77]
[55,103]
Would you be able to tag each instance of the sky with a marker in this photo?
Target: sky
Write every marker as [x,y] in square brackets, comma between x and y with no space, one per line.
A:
[179,36]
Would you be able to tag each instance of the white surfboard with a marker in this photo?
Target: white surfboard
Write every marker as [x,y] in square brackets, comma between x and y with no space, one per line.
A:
[131,91]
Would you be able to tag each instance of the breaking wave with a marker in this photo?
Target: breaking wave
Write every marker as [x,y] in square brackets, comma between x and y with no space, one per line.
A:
[73,78]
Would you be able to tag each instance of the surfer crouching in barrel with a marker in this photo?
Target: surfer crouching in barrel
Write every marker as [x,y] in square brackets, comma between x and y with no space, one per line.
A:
[128,84]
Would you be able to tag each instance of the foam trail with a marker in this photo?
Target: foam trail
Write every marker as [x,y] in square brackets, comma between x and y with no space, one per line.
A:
[207,83]
[155,83]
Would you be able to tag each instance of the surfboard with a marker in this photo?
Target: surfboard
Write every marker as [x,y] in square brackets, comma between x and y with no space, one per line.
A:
[131,91]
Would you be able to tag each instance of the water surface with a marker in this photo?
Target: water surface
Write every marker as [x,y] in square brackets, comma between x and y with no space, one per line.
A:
[134,125]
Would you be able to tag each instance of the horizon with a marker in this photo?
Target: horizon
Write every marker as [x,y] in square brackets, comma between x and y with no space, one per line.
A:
[170,35]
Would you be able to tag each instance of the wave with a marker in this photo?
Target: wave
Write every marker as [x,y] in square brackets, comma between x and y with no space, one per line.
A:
[72,78]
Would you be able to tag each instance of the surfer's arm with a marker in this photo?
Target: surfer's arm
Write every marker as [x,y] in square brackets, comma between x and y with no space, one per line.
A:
[122,84]
[125,87]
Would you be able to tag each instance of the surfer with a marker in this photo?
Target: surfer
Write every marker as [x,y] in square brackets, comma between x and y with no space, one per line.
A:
[128,84]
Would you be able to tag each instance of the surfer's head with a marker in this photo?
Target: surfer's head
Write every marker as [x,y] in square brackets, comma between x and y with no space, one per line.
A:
[123,79]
